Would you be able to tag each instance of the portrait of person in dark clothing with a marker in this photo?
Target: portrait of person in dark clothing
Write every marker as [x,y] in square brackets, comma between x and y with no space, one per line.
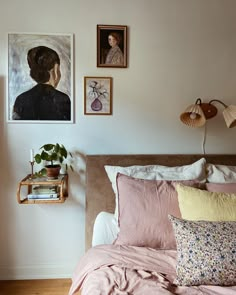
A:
[43,101]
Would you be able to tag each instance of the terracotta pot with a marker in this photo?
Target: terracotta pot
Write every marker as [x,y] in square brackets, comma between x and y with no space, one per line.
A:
[53,171]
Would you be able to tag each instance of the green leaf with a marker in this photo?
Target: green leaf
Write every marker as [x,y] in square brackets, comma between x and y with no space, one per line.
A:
[37,158]
[47,147]
[57,148]
[64,153]
[53,156]
[44,156]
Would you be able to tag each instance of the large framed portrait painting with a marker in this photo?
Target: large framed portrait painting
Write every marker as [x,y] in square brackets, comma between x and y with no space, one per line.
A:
[40,81]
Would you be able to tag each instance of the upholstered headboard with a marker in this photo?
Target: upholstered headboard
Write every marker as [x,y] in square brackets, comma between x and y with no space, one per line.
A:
[99,193]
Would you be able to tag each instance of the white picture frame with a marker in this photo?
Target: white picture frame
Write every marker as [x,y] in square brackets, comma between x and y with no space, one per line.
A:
[19,80]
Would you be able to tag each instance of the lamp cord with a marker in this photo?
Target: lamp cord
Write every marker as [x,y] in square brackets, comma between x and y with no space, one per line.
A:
[204,139]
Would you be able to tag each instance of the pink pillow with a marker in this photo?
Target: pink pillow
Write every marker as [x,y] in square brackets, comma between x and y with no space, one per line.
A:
[228,188]
[144,206]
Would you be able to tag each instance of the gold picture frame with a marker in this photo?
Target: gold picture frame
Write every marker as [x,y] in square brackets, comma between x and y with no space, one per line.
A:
[112,46]
[97,95]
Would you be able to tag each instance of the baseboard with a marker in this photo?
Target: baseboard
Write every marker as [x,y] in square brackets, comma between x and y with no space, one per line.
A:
[36,272]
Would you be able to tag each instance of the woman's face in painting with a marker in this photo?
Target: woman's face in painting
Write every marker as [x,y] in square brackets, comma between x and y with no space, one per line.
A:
[112,41]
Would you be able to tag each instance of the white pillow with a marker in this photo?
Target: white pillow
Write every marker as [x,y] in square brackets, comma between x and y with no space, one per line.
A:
[194,171]
[220,173]
[105,229]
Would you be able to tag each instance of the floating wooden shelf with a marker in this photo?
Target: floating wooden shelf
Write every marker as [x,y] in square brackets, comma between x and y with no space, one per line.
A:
[29,182]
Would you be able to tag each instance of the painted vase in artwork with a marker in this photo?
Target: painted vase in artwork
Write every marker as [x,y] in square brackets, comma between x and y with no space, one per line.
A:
[96,105]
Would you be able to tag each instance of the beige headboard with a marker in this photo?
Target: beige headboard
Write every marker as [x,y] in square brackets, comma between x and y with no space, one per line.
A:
[99,193]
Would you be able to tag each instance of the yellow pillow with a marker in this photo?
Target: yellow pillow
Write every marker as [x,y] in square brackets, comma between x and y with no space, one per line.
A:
[196,204]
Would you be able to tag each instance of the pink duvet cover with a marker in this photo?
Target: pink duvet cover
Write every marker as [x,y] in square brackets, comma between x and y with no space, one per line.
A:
[123,270]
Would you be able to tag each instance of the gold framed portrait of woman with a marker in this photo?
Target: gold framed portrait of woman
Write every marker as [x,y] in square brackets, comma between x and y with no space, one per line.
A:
[112,46]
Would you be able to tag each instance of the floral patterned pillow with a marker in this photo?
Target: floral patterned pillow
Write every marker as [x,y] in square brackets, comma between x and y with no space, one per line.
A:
[206,252]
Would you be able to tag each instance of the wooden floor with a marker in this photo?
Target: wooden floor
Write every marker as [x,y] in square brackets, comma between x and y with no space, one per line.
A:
[35,287]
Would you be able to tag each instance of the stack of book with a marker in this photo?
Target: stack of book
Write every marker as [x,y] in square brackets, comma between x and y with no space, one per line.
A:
[43,192]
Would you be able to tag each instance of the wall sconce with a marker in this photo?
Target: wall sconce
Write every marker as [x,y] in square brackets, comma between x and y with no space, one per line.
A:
[196,115]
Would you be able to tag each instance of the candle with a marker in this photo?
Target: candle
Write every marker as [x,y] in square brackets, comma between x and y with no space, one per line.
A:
[31,155]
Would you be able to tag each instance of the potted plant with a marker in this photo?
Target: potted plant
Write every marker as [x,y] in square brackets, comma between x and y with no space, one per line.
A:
[54,154]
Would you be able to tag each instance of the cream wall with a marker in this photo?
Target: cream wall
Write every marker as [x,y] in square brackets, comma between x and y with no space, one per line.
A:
[179,50]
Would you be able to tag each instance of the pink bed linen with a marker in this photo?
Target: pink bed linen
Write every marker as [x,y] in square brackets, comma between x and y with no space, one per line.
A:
[123,270]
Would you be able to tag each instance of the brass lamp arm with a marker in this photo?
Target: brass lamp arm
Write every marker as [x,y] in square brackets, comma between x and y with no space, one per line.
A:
[217,100]
[198,101]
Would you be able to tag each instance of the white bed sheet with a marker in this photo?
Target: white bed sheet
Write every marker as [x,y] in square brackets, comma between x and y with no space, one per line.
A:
[105,229]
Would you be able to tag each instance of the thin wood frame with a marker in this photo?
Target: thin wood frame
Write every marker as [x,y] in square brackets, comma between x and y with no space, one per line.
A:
[112,46]
[98,95]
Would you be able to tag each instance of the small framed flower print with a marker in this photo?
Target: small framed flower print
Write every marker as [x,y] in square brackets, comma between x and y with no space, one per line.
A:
[97,95]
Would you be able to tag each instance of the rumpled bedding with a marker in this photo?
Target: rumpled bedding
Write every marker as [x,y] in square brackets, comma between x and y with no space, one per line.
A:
[128,270]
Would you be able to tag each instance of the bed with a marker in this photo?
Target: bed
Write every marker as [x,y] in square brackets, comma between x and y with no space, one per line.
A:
[137,264]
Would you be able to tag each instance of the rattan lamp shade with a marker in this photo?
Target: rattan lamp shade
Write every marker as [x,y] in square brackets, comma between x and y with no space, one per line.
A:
[229,114]
[193,116]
